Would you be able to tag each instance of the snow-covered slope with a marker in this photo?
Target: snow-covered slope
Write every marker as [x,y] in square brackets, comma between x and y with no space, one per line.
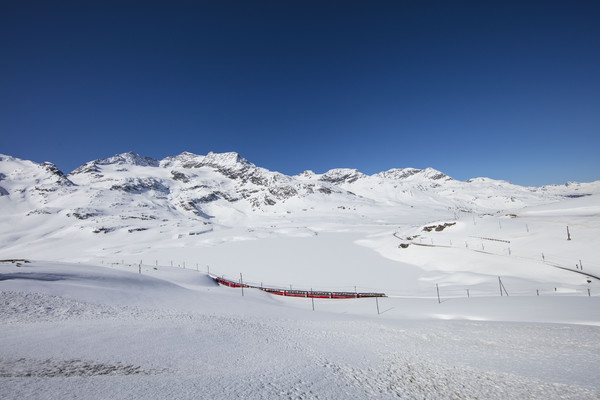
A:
[75,331]
[188,194]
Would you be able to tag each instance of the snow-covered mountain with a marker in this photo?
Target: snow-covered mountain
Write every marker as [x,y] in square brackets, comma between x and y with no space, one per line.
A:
[128,242]
[131,193]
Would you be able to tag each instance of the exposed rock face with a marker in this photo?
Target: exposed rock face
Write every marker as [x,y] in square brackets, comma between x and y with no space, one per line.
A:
[130,158]
[342,175]
[179,176]
[60,177]
[83,213]
[3,192]
[438,228]
[125,159]
[139,185]
[406,173]
[88,168]
[398,173]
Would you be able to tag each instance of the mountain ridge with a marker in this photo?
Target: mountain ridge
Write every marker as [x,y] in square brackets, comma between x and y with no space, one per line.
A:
[132,193]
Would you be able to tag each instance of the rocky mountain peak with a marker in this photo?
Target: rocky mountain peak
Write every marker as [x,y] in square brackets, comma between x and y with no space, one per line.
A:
[342,175]
[226,160]
[184,160]
[398,173]
[435,175]
[57,173]
[306,174]
[129,158]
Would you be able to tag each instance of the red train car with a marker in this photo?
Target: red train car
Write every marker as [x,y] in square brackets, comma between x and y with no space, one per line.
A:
[300,293]
[344,295]
[225,282]
[296,293]
[319,295]
[278,292]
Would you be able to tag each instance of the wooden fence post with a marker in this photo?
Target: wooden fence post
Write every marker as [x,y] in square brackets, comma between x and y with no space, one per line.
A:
[502,287]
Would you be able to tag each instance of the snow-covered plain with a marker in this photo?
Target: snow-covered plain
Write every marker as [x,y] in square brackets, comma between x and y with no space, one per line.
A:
[117,301]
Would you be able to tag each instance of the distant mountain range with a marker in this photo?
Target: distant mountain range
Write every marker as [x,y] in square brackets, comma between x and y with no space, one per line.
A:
[132,193]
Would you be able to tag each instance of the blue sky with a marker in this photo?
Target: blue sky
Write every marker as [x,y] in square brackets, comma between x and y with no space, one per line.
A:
[504,89]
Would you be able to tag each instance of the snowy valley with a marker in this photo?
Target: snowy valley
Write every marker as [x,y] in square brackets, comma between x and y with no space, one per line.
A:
[492,289]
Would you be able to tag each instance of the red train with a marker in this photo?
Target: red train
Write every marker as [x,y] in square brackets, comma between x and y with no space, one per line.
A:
[225,282]
[300,293]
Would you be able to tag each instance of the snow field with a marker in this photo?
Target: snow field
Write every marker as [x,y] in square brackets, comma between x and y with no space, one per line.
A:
[82,331]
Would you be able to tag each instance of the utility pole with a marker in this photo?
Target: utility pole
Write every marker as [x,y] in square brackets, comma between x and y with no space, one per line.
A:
[568,233]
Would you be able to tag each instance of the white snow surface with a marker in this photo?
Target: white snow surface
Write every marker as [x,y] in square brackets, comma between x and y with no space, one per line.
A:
[117,301]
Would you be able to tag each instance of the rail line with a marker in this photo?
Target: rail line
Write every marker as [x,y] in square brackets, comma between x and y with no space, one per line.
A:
[299,293]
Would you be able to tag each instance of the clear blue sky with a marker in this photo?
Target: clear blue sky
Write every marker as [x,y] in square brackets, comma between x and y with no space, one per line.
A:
[503,89]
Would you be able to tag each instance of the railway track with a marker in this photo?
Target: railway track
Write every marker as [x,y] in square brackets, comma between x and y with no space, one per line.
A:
[300,293]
